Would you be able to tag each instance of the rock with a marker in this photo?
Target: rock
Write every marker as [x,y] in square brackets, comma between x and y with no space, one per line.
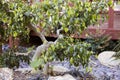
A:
[6,74]
[23,64]
[57,70]
[106,59]
[102,72]
[64,63]
[117,74]
[61,69]
[64,77]
[24,70]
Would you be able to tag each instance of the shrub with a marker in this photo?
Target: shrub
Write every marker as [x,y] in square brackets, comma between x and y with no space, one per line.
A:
[73,50]
[11,60]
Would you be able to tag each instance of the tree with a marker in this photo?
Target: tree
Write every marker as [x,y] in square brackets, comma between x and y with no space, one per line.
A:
[12,19]
[60,17]
[65,18]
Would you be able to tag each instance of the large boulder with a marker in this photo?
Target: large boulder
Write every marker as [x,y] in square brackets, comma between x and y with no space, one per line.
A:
[6,74]
[106,58]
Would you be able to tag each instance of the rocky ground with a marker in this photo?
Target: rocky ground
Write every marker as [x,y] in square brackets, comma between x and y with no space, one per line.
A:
[63,71]
[101,72]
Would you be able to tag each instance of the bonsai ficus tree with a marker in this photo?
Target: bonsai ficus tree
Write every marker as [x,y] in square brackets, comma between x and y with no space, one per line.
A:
[60,17]
[65,18]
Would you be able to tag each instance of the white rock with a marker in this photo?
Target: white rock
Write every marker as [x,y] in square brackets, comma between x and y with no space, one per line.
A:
[6,74]
[24,70]
[60,69]
[65,77]
[106,59]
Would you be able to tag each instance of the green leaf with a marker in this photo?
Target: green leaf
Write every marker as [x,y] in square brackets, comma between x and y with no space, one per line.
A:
[110,3]
[71,60]
[66,30]
[15,34]
[36,63]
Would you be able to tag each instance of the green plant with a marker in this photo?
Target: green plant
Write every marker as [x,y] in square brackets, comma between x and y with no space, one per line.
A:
[117,50]
[73,50]
[117,2]
[117,55]
[11,60]
[15,16]
[117,47]
[99,42]
[12,18]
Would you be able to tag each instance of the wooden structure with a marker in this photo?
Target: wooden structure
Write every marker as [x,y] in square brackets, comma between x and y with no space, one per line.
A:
[110,27]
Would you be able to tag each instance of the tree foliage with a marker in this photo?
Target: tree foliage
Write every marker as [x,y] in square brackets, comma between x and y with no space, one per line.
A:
[73,50]
[14,17]
[17,18]
[73,16]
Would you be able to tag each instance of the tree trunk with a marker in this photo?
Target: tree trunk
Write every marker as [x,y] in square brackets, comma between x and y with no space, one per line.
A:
[40,49]
[46,44]
[11,41]
[0,48]
[0,44]
[16,42]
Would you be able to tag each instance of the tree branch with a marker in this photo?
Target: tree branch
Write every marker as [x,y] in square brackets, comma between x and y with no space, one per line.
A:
[40,49]
[39,34]
[58,31]
[60,36]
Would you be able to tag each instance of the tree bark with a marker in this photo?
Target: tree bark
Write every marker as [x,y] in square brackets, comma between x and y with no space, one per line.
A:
[11,41]
[40,49]
[39,34]
[0,48]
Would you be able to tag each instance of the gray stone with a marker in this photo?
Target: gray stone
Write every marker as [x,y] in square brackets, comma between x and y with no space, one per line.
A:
[24,70]
[102,72]
[60,69]
[55,68]
[6,74]
[64,77]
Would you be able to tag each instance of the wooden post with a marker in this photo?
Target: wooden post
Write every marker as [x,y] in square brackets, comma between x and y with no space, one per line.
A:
[111,17]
